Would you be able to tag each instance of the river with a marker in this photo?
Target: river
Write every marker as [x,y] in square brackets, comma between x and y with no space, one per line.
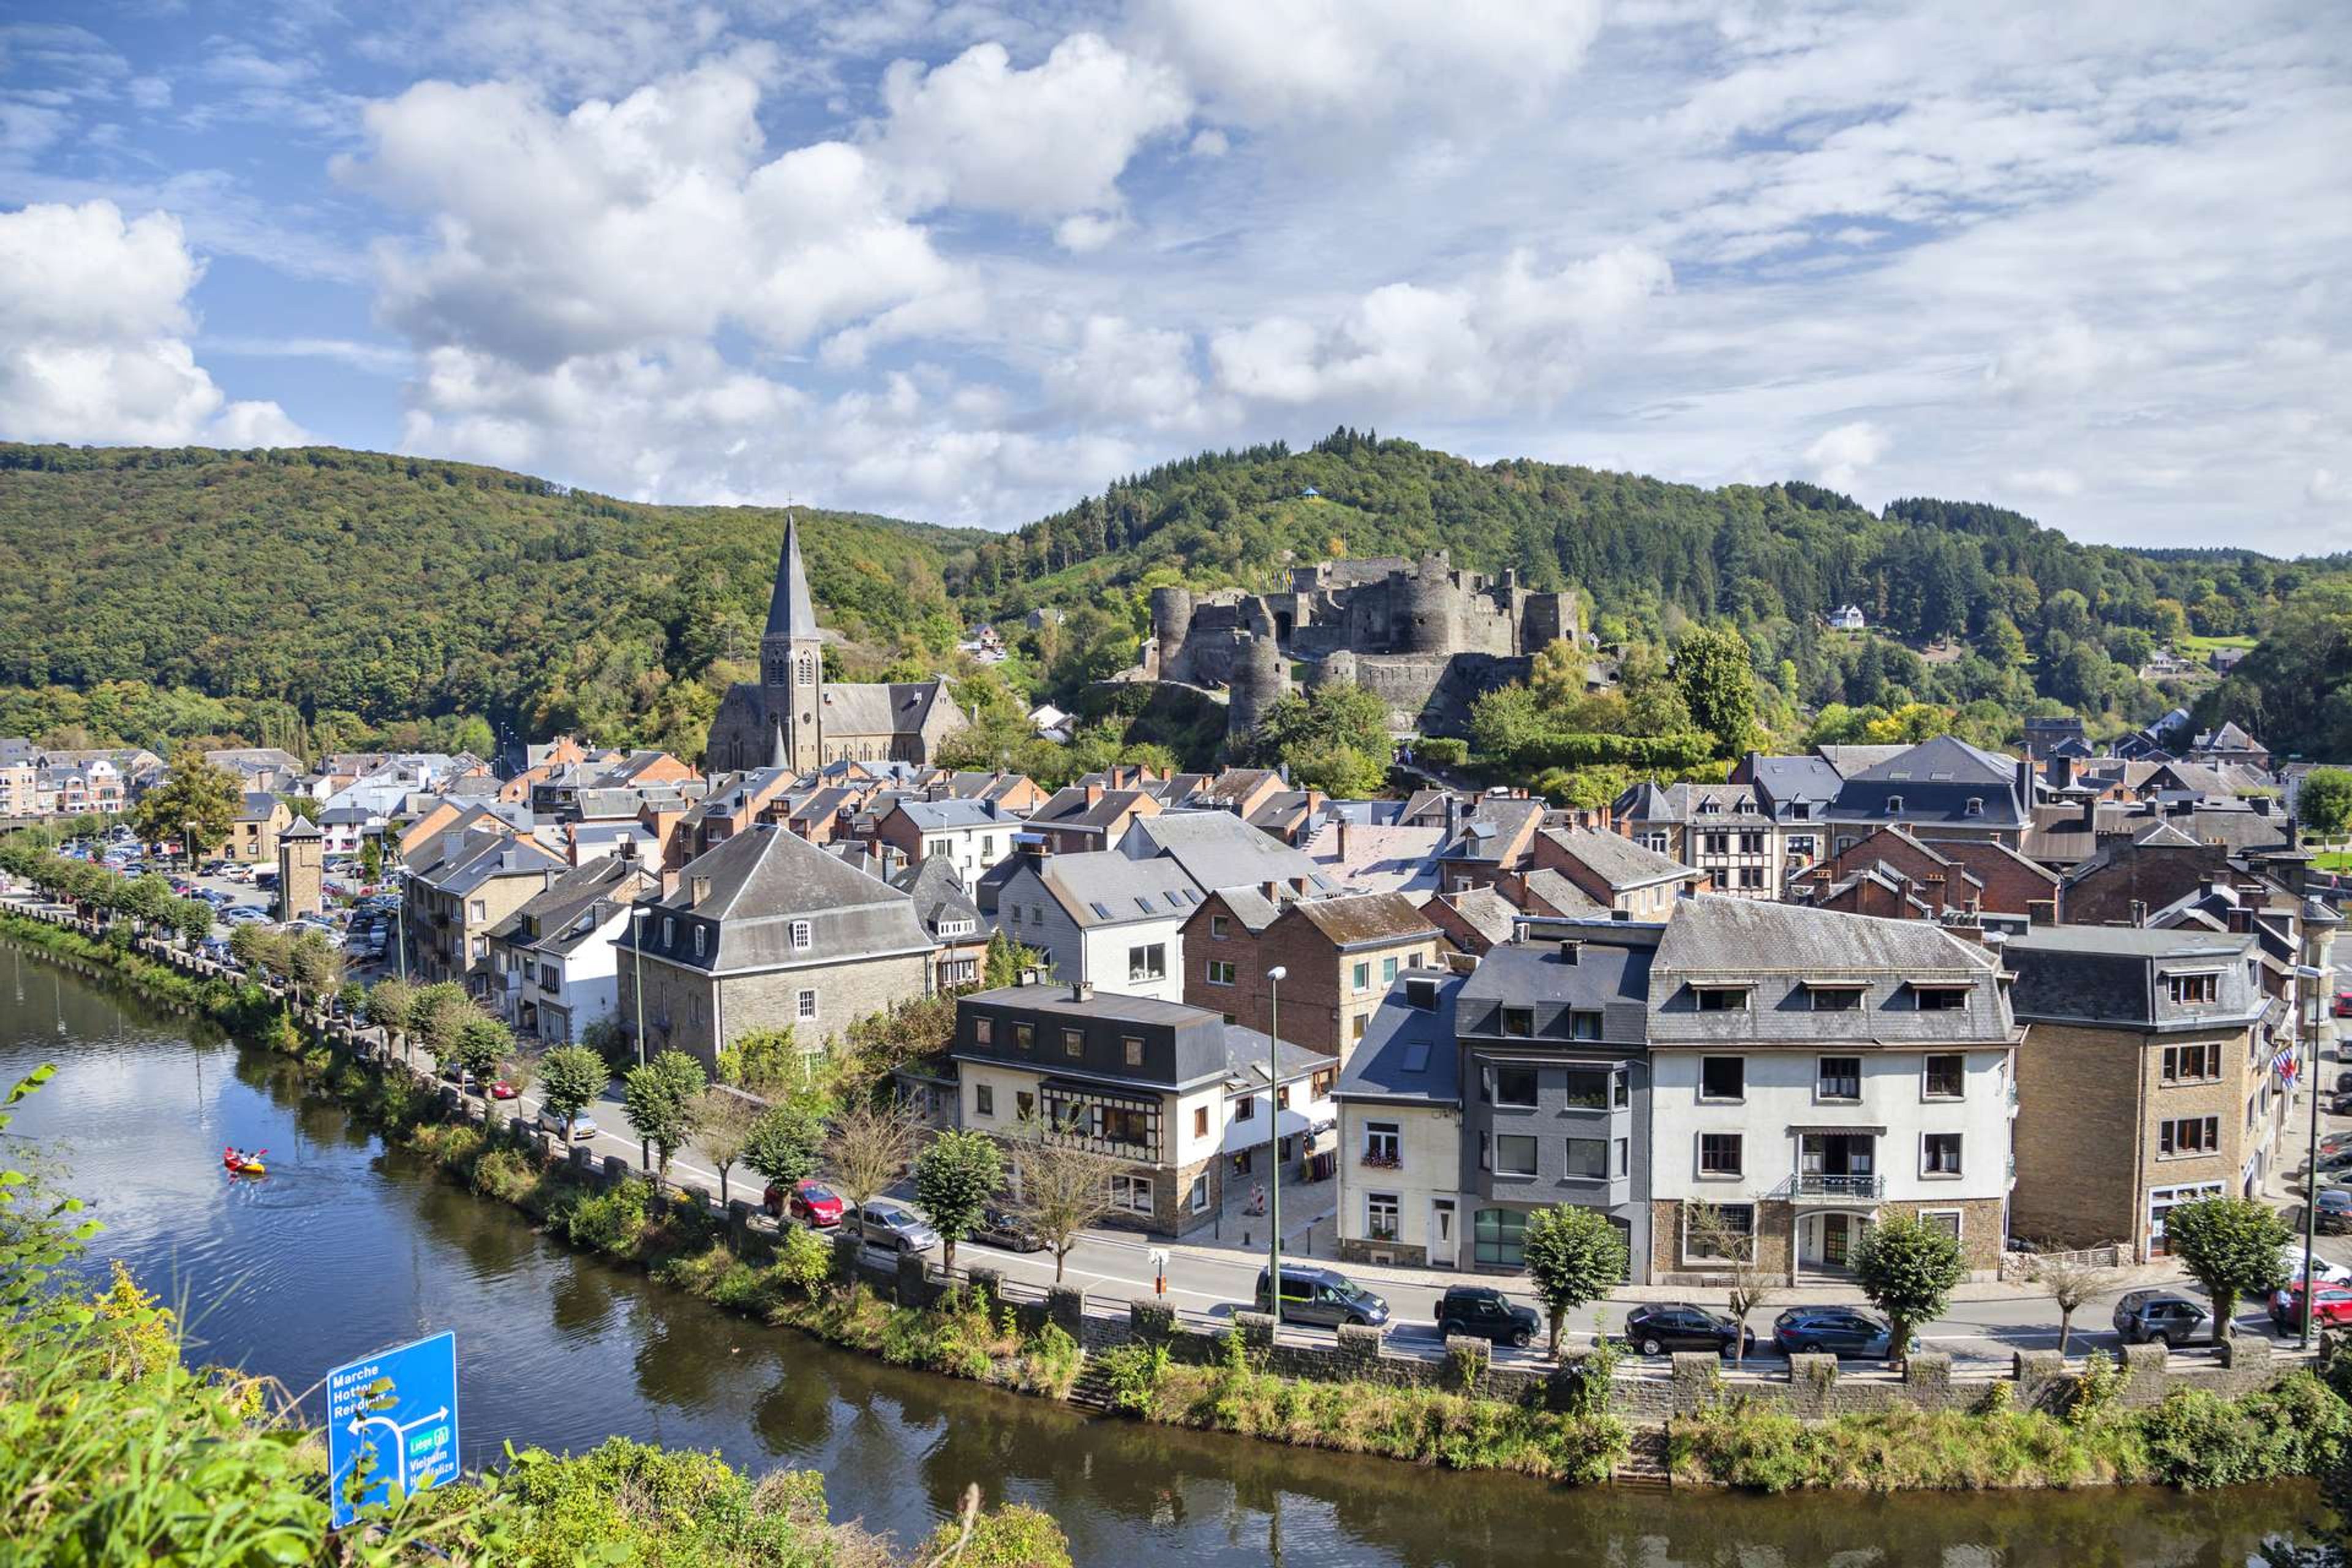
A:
[345,1248]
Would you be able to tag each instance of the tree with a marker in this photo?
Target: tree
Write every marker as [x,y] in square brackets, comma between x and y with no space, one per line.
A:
[1712,671]
[868,1146]
[1005,960]
[193,792]
[785,1141]
[439,1012]
[570,1079]
[1065,1190]
[1575,1256]
[1908,1268]
[955,1176]
[1749,1284]
[194,919]
[481,1044]
[390,1005]
[2232,1247]
[724,1120]
[662,1101]
[2070,1284]
[312,965]
[760,1062]
[2325,802]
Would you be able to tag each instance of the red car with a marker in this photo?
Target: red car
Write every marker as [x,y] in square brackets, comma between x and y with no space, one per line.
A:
[812,1203]
[2344,1003]
[502,1090]
[2332,1305]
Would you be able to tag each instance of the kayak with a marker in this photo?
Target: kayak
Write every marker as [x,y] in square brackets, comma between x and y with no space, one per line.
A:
[239,1163]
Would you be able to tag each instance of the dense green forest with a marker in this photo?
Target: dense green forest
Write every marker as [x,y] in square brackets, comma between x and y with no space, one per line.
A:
[317,596]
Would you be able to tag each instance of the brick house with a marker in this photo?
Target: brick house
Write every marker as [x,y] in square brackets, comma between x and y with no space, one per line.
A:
[769,931]
[1614,872]
[2143,1080]
[1148,1083]
[1341,954]
[459,887]
[1897,875]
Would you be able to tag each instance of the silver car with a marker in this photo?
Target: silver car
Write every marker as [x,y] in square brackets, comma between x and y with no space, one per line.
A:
[896,1230]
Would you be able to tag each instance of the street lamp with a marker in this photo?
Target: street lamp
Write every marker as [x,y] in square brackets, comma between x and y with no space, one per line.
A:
[2305,975]
[1274,978]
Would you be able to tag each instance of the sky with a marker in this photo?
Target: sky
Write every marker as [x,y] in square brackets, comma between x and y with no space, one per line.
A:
[971,261]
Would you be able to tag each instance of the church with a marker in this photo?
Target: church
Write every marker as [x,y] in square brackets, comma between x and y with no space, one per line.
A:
[794,718]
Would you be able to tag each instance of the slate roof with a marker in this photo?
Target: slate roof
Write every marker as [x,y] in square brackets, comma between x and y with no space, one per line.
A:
[1484,911]
[791,612]
[594,891]
[1733,806]
[894,708]
[1788,781]
[1617,860]
[1935,781]
[945,816]
[940,898]
[257,806]
[760,881]
[478,856]
[1379,858]
[1217,849]
[1492,828]
[1206,1049]
[1103,888]
[1850,760]
[1407,1052]
[2104,973]
[1562,896]
[1365,919]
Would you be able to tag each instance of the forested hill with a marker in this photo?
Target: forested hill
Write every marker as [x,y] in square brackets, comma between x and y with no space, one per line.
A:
[1922,570]
[361,589]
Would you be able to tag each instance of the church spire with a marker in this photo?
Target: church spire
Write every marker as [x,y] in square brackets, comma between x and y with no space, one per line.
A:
[790,612]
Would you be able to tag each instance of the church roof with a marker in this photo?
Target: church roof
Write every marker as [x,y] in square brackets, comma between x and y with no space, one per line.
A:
[791,612]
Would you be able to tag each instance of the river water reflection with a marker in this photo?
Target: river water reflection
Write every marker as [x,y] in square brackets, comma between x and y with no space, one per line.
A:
[344,1247]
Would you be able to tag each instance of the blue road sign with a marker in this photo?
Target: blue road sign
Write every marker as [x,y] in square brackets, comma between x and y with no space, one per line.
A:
[399,1407]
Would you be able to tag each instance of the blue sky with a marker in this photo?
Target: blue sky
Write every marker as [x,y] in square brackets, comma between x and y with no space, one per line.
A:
[969,261]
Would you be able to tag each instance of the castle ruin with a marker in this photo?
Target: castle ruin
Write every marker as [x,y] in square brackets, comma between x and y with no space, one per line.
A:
[1426,638]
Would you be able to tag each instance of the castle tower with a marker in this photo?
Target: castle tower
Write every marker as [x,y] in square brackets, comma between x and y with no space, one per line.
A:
[1172,627]
[301,871]
[1428,607]
[1258,678]
[792,660]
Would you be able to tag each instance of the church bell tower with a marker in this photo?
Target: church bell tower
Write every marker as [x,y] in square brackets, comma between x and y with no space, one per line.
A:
[792,660]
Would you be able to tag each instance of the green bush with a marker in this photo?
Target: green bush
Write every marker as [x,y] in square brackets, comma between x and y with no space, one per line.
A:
[804,1260]
[1048,1361]
[506,1175]
[612,1222]
[2295,1427]
[1133,1375]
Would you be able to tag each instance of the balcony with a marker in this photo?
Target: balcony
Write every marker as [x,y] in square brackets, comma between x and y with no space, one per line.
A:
[1818,1186]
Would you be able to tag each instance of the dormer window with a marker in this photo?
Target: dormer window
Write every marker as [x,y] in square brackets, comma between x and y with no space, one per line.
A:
[1836,996]
[1975,806]
[802,936]
[1893,805]
[1933,998]
[1719,998]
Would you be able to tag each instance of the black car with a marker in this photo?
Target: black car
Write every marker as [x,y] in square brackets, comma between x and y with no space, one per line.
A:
[1323,1296]
[2161,1316]
[2334,1206]
[1833,1330]
[1480,1312]
[1661,1326]
[998,1229]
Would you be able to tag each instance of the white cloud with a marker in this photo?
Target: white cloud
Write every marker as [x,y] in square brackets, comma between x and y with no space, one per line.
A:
[2061,482]
[94,323]
[1841,454]
[1517,336]
[1118,370]
[1041,142]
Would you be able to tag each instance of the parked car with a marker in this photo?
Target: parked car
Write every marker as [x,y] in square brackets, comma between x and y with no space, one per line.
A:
[1323,1296]
[2334,1206]
[2344,1003]
[1836,1330]
[999,1227]
[2333,1304]
[2290,1266]
[579,1129]
[502,1090]
[2163,1317]
[1661,1326]
[811,1203]
[1481,1311]
[896,1230]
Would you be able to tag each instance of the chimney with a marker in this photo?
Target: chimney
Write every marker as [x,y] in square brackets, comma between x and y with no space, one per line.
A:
[1452,815]
[2062,772]
[1081,991]
[697,892]
[1270,892]
[1572,951]
[2138,911]
[2025,783]
[1093,794]
[2091,814]
[1341,834]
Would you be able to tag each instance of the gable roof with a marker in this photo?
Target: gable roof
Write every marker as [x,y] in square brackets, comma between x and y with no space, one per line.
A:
[1714,934]
[1217,849]
[1483,911]
[1408,1052]
[1616,860]
[1363,919]
[761,882]
[938,896]
[1103,888]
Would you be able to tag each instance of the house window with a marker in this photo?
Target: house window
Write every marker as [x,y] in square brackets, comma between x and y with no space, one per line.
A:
[1621,1089]
[1946,1220]
[1199,1197]
[2194,990]
[1588,1159]
[1839,1078]
[1720,998]
[801,935]
[2200,1063]
[1383,1148]
[1939,1154]
[1388,971]
[1130,1195]
[1025,1104]
[669,931]
[1380,1217]
[984,1099]
[1624,1156]
[1132,1046]
[1584,1025]
[1893,805]
[1946,1076]
[1515,1085]
[983,1030]
[1147,963]
[1356,1026]
[1715,843]
[1588,1089]
[1074,1043]
[1975,806]
[1518,1023]
[1221,972]
[1200,1121]
[699,934]
[477,911]
[1515,1155]
[1364,977]
[1498,1237]
[1245,1109]
[1939,998]
[807,1008]
[1217,927]
[1718,1153]
[1723,1077]
[1024,1037]
[1828,998]
[2189,1135]
[1733,1231]
[481,947]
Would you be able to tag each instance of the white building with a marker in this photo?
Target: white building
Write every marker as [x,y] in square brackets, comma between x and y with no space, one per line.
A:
[1399,1143]
[1103,919]
[553,963]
